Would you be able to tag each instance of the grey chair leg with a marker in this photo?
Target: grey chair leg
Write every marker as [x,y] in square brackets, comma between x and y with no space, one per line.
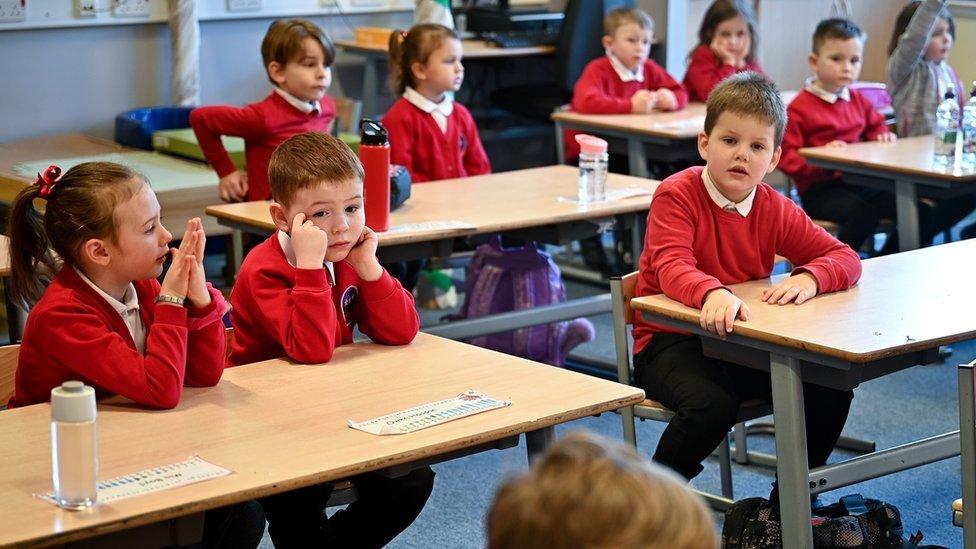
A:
[725,467]
[741,451]
[630,430]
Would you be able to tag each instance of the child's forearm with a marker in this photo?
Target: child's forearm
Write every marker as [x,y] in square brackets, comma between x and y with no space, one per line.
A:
[911,45]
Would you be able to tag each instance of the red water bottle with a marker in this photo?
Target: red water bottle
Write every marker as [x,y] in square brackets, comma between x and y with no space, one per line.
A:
[374,152]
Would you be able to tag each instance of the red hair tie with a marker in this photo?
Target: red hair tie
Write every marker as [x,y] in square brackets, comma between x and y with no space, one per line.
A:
[47,180]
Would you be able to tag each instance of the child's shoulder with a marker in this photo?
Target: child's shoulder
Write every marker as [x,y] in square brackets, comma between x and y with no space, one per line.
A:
[682,186]
[266,256]
[703,53]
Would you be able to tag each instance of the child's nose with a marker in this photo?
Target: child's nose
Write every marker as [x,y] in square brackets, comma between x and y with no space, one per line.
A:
[340,225]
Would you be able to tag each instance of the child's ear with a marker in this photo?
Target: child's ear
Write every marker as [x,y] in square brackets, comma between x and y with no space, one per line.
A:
[277,72]
[95,251]
[772,163]
[419,70]
[702,145]
[812,60]
[279,217]
[607,42]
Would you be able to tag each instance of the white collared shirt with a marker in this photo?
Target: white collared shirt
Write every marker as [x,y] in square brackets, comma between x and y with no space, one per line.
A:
[625,74]
[128,309]
[743,207]
[440,111]
[285,242]
[307,107]
[827,96]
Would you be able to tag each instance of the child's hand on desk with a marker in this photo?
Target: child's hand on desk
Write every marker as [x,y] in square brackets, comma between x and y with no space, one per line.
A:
[196,291]
[719,311]
[233,186]
[643,101]
[666,101]
[362,256]
[797,289]
[887,137]
[309,243]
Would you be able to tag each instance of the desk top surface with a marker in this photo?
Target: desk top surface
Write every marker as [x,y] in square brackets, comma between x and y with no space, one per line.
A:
[473,49]
[488,203]
[280,426]
[904,302]
[907,156]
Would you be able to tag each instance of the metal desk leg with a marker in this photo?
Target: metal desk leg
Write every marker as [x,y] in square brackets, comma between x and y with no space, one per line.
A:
[637,237]
[235,255]
[906,208]
[371,90]
[967,443]
[791,451]
[560,145]
[637,158]
[537,442]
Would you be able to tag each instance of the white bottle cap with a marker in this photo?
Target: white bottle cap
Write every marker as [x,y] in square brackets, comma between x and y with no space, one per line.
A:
[73,402]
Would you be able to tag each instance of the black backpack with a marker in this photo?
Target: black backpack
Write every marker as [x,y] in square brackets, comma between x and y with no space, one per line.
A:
[852,522]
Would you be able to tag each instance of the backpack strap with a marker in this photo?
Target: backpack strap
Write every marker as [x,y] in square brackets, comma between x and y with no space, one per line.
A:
[855,504]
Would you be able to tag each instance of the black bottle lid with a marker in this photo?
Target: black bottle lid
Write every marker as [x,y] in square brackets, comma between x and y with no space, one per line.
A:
[372,133]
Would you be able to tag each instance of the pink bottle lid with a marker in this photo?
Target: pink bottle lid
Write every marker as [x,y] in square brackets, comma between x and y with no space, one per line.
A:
[590,144]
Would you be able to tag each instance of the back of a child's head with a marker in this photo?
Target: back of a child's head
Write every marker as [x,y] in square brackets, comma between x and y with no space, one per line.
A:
[285,42]
[747,94]
[80,206]
[723,10]
[619,17]
[587,492]
[905,17]
[414,46]
[309,159]
[835,28]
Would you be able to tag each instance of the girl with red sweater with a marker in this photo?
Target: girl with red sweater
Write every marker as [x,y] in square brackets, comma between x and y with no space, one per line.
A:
[432,135]
[104,319]
[727,44]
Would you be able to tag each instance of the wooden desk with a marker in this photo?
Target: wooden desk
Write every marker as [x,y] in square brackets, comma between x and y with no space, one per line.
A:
[280,426]
[904,167]
[179,202]
[904,307]
[378,56]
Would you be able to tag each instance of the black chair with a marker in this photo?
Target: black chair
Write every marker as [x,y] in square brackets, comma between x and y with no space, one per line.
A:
[580,41]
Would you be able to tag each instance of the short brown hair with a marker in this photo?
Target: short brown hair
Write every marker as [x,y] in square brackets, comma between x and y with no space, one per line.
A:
[621,16]
[835,29]
[283,42]
[589,491]
[414,46]
[308,159]
[748,94]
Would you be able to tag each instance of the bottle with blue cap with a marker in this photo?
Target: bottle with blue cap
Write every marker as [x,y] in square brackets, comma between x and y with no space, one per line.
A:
[74,445]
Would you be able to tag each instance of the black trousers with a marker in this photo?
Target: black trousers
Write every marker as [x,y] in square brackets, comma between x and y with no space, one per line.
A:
[857,210]
[705,394]
[386,506]
[239,526]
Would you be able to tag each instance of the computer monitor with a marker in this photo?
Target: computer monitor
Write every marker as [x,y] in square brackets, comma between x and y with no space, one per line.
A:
[500,16]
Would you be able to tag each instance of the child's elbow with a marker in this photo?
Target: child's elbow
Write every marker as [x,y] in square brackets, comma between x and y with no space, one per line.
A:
[312,356]
[165,401]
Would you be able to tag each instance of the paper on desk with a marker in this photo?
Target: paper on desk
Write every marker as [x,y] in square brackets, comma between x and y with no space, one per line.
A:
[612,194]
[427,415]
[193,470]
[422,226]
[694,123]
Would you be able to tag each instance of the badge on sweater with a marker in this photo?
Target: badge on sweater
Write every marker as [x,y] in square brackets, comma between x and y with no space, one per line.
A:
[346,303]
[463,142]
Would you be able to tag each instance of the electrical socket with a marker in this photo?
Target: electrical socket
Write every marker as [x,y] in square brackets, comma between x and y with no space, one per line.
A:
[131,8]
[85,8]
[13,10]
[243,5]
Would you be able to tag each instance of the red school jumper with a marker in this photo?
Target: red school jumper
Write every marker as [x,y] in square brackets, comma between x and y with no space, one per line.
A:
[263,126]
[430,154]
[600,90]
[74,334]
[813,122]
[280,310]
[706,70]
[693,246]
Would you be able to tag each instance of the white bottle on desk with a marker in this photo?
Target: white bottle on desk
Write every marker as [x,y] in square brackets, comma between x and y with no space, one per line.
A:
[593,169]
[74,445]
[946,130]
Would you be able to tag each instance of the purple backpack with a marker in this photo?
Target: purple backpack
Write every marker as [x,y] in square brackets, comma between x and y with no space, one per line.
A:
[512,279]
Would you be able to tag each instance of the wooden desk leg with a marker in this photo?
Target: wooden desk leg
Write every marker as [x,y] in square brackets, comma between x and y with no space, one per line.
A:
[537,442]
[906,208]
[791,451]
[967,442]
[560,150]
[637,158]
[371,82]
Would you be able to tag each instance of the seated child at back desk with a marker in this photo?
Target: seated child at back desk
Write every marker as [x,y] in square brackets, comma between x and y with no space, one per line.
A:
[300,294]
[719,225]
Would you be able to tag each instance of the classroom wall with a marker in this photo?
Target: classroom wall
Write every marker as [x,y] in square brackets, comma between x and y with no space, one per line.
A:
[961,57]
[77,79]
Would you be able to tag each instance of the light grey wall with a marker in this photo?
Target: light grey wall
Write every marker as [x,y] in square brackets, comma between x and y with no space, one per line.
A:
[77,79]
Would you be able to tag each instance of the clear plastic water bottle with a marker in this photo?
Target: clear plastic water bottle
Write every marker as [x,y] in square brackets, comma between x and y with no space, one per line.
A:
[74,445]
[592,169]
[968,159]
[946,129]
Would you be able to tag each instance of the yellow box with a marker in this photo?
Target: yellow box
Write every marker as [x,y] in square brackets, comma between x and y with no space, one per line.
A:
[372,36]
